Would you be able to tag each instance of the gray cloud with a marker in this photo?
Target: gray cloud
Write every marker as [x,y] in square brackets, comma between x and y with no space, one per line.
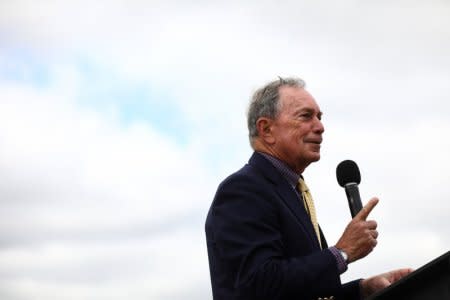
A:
[93,210]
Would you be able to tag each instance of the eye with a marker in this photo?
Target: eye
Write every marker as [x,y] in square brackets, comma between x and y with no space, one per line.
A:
[305,115]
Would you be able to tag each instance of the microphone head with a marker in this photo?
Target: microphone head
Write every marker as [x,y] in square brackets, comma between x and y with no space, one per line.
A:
[348,172]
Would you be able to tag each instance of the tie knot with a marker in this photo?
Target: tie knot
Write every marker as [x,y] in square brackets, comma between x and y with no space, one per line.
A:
[302,185]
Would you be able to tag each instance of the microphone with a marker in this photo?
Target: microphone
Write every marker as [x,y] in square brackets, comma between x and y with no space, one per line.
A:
[348,176]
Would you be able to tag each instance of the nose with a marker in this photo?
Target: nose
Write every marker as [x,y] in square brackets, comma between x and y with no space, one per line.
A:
[318,126]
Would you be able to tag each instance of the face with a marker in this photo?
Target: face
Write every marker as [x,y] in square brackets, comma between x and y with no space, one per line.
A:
[297,131]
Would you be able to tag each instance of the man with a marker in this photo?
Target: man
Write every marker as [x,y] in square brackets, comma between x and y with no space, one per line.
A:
[262,237]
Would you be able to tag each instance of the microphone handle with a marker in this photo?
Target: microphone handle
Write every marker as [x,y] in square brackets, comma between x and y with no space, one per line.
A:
[353,197]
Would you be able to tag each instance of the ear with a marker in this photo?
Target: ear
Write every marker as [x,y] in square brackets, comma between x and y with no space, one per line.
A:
[265,130]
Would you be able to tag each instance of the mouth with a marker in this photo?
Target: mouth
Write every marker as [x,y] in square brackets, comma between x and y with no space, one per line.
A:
[315,141]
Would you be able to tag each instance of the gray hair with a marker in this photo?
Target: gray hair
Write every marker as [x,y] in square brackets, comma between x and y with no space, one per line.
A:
[265,102]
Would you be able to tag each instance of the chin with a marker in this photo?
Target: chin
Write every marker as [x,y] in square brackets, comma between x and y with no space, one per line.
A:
[315,157]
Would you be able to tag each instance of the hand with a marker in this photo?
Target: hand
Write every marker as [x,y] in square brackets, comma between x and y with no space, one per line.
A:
[360,236]
[379,282]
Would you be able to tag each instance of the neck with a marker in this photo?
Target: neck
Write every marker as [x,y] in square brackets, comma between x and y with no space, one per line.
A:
[264,148]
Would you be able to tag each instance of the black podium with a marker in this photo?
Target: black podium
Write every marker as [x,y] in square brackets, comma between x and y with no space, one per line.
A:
[432,281]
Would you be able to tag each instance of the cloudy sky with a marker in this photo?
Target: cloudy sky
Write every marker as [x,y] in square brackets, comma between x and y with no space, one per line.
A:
[118,119]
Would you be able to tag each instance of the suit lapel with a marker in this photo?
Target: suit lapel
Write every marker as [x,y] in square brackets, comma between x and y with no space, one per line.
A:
[286,193]
[290,198]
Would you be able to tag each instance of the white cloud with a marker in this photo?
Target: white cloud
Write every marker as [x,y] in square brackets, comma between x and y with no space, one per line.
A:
[141,269]
[86,200]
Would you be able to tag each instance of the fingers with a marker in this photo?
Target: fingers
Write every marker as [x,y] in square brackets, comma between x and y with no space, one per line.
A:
[365,211]
[379,282]
[374,234]
[360,235]
[406,271]
[371,225]
[399,274]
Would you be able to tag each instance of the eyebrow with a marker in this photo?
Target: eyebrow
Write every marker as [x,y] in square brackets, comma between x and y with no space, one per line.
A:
[308,109]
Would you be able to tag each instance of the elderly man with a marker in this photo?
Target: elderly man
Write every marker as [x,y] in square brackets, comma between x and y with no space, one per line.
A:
[262,234]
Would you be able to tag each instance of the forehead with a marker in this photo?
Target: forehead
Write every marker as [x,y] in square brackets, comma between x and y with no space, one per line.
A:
[296,98]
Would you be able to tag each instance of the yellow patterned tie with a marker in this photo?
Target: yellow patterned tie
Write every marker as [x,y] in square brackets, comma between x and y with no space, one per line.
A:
[309,205]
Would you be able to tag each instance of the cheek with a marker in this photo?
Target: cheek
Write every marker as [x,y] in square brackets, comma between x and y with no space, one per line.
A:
[298,134]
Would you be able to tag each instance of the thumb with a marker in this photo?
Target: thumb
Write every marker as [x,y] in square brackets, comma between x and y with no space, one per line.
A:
[365,211]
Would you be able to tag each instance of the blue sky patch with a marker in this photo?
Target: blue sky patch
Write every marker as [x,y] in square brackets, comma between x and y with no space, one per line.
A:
[18,64]
[102,89]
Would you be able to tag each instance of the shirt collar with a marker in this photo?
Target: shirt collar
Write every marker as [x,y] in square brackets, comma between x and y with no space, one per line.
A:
[283,168]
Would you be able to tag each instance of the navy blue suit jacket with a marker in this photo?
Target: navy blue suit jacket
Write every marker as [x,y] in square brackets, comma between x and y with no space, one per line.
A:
[261,243]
